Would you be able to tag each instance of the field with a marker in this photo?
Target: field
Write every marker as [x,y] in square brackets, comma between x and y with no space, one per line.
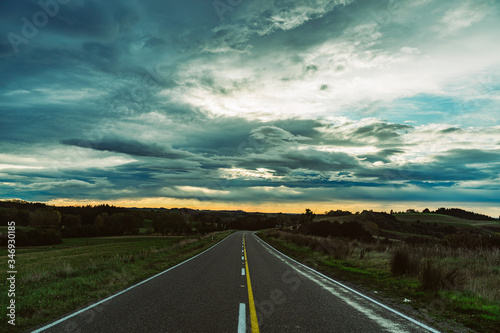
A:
[53,280]
[449,285]
[4,228]
[414,217]
[424,226]
[439,218]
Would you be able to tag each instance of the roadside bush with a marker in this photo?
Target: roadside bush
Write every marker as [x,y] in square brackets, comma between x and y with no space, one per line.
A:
[341,250]
[351,230]
[432,276]
[333,247]
[381,247]
[436,277]
[418,240]
[403,262]
[38,237]
[82,231]
[273,234]
[386,241]
[471,240]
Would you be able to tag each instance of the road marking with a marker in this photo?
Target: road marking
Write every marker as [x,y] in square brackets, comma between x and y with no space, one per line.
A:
[242,320]
[123,291]
[350,289]
[242,257]
[242,271]
[251,303]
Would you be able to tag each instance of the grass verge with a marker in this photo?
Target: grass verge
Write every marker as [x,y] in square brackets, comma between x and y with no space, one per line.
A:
[52,281]
[368,268]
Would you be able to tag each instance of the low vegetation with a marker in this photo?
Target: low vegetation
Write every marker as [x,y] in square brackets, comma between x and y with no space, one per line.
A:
[57,279]
[452,281]
[445,262]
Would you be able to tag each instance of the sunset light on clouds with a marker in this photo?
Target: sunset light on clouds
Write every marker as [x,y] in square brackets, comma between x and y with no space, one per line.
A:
[255,105]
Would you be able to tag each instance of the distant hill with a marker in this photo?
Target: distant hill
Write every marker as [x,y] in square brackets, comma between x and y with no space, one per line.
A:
[423,225]
[463,214]
[441,218]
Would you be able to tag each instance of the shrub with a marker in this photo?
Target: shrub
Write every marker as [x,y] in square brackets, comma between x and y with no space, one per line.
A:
[381,247]
[417,240]
[471,240]
[435,277]
[38,237]
[351,230]
[341,250]
[403,262]
[273,234]
[432,276]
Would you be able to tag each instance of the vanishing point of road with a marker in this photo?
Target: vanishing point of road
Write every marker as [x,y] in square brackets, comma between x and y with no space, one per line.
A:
[239,285]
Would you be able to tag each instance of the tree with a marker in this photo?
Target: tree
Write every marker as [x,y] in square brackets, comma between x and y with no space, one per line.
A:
[100,219]
[159,223]
[172,222]
[8,214]
[115,224]
[131,224]
[338,212]
[45,217]
[306,220]
[70,220]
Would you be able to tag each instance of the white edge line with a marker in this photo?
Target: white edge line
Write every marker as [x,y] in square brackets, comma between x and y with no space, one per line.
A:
[242,325]
[123,291]
[356,292]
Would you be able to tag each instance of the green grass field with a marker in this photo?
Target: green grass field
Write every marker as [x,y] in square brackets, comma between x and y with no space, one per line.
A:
[4,228]
[396,234]
[438,218]
[54,280]
[413,217]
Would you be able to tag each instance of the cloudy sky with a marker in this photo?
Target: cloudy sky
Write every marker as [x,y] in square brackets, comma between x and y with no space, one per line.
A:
[251,104]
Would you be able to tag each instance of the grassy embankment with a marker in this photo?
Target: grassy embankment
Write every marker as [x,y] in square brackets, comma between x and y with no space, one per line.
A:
[53,280]
[441,283]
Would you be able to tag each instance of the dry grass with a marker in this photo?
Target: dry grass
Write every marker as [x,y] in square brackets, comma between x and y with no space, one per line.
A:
[470,270]
[332,247]
[475,271]
[55,280]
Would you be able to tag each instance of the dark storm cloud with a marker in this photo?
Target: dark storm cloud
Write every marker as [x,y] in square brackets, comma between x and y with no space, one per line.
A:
[420,172]
[380,131]
[129,99]
[469,156]
[270,20]
[288,158]
[382,156]
[453,166]
[47,124]
[451,130]
[228,136]
[129,147]
[85,18]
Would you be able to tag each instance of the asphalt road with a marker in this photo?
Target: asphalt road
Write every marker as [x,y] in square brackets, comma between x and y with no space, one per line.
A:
[210,293]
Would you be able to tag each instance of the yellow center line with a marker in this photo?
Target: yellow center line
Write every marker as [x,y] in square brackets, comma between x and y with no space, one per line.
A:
[251,303]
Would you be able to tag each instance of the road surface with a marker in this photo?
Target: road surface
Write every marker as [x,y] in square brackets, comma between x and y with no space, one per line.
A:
[220,291]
